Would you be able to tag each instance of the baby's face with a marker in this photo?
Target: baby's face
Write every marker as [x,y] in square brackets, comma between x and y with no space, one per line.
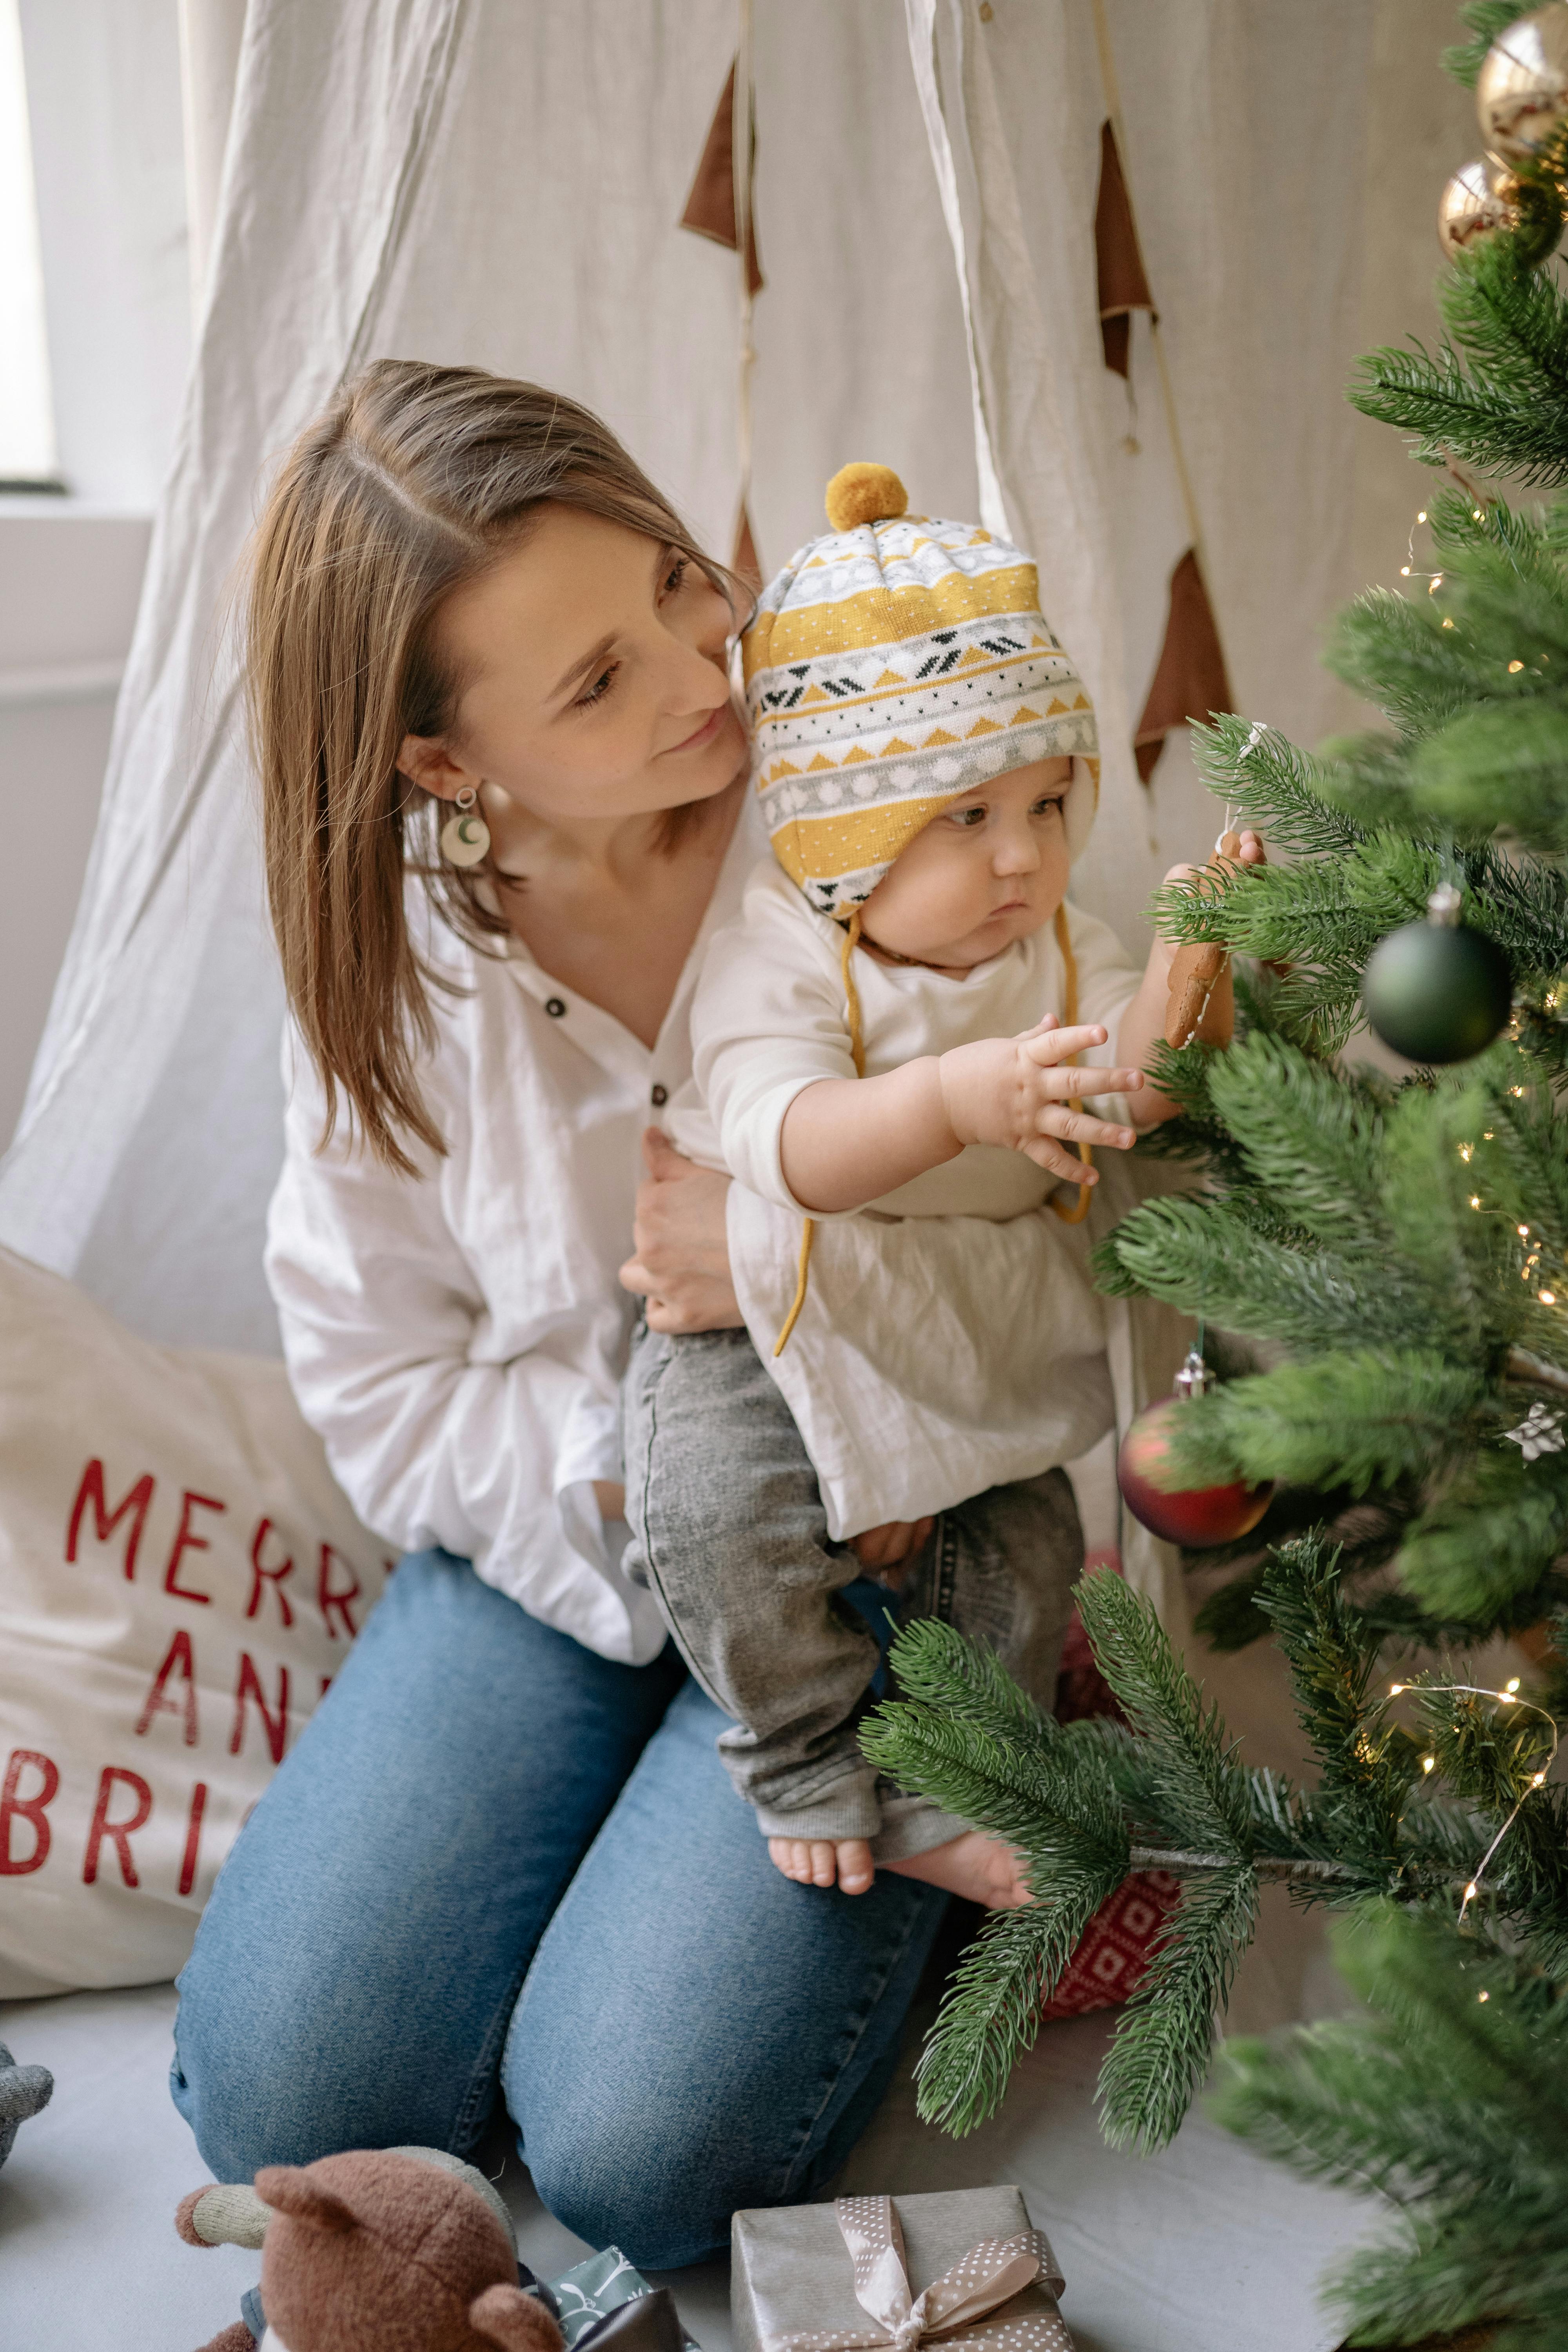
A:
[990,869]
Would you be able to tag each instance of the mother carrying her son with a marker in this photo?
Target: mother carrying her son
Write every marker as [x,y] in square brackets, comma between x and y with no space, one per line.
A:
[507,816]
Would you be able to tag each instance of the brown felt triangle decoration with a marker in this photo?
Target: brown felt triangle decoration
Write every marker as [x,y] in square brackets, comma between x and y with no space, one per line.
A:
[1190,680]
[1118,265]
[710,206]
[744,562]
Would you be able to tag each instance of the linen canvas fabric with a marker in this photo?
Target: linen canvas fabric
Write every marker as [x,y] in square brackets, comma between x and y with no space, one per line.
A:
[889,668]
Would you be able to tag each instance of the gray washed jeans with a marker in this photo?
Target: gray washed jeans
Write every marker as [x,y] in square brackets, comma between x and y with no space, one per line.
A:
[730,1534]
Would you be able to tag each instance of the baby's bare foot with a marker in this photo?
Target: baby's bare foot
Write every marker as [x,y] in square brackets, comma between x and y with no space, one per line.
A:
[844,1863]
[980,1868]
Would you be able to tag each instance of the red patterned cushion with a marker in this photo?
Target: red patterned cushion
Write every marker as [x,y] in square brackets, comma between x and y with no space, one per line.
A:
[1118,1944]
[1120,1940]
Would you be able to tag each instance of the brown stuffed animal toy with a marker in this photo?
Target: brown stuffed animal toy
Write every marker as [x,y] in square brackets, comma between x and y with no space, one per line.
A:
[378,2251]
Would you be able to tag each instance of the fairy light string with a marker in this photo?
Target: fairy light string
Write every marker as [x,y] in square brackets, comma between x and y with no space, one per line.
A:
[1506,1697]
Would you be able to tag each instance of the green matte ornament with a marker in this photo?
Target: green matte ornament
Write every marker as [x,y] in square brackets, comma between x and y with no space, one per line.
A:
[1437,992]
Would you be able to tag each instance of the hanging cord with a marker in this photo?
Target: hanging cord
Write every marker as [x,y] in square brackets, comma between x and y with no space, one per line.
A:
[857,1048]
[1075,1215]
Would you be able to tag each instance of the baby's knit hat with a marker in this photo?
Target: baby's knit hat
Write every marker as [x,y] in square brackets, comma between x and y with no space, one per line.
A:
[893,665]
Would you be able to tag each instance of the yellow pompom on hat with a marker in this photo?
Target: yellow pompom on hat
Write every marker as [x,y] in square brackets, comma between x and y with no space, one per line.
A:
[893,665]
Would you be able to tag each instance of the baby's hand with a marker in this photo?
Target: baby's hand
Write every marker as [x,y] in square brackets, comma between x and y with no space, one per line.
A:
[1231,849]
[1015,1091]
[844,1863]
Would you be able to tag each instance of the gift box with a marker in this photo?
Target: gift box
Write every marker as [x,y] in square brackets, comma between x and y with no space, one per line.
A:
[963,2265]
[587,2294]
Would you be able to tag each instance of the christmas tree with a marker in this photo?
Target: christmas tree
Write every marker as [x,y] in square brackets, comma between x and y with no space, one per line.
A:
[1388,1258]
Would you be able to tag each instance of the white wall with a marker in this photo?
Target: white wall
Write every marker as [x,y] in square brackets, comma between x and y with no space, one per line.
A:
[103,100]
[70,578]
[103,97]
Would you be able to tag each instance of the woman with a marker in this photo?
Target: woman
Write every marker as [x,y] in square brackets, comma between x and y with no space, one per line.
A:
[503,1859]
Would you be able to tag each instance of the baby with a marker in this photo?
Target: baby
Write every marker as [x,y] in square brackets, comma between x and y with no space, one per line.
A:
[889,1032]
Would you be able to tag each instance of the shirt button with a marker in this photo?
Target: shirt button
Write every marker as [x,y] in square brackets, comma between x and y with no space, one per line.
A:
[555,1006]
[659,1097]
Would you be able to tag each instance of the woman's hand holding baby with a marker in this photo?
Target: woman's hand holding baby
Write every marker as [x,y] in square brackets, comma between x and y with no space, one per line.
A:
[1015,1092]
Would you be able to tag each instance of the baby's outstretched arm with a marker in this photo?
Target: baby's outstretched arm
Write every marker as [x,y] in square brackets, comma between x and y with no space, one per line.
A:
[845,1141]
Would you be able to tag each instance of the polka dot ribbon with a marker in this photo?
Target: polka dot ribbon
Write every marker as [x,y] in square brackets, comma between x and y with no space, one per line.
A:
[989,2275]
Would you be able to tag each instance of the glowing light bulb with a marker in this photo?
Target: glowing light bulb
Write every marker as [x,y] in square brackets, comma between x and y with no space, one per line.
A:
[1512,1685]
[1435,582]
[1464,1151]
[1471,1890]
[1547,1297]
[1483,1996]
[1536,1779]
[1474,1199]
[1428,1763]
[1513,667]
[1422,516]
[1475,514]
[1448,623]
[1404,572]
[1394,1689]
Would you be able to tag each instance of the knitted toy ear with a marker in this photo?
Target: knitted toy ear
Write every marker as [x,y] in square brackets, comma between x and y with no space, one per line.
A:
[505,2316]
[288,2188]
[225,2215]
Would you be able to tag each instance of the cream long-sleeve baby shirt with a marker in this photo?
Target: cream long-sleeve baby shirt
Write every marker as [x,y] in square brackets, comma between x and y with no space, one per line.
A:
[917,1376]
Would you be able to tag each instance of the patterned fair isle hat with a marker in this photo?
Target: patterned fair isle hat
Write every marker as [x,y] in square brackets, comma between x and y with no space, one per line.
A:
[893,665]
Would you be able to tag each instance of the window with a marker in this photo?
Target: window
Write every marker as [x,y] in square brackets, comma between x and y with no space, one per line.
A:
[27,457]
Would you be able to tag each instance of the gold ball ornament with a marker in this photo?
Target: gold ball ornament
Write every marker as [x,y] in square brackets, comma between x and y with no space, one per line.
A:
[1522,90]
[1471,208]
[860,493]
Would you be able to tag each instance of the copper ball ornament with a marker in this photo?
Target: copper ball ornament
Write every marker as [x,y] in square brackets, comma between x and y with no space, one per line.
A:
[1522,90]
[1471,208]
[1196,1518]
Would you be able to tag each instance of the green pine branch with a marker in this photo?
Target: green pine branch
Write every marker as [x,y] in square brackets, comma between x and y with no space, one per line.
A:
[1448,2098]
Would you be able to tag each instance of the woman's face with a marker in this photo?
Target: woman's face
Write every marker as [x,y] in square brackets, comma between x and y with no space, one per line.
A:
[594,678]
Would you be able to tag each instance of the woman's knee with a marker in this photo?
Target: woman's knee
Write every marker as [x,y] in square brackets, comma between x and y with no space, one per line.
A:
[661,2190]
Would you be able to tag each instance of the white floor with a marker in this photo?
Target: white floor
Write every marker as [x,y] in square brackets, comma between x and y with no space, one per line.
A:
[1203,2249]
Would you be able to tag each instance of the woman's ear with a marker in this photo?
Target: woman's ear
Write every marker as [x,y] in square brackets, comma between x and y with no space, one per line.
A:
[288,2188]
[516,2322]
[426,761]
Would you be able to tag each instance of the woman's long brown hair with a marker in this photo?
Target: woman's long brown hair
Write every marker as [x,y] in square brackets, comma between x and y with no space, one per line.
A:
[412,480]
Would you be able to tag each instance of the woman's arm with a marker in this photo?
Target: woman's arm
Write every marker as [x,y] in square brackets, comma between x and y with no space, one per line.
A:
[432,1440]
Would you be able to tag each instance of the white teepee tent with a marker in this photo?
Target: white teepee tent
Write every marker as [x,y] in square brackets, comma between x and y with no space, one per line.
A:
[471,180]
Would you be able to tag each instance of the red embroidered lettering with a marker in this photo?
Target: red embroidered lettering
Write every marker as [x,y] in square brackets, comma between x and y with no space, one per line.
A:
[327,1601]
[249,1686]
[186,1541]
[28,1809]
[273,1576]
[193,1837]
[135,1500]
[120,1833]
[158,1700]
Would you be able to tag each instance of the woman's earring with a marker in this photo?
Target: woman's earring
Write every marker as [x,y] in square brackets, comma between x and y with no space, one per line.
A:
[466,837]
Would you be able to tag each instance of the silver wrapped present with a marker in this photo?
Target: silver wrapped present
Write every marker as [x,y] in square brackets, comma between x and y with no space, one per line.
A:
[962,2266]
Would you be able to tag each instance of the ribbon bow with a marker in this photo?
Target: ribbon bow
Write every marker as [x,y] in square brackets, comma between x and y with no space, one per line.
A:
[990,2274]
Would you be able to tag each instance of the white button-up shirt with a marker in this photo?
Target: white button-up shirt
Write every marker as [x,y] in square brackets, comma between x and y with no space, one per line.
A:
[457,1336]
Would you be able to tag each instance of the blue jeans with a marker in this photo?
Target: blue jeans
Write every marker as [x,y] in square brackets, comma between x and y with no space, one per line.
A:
[497,1865]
